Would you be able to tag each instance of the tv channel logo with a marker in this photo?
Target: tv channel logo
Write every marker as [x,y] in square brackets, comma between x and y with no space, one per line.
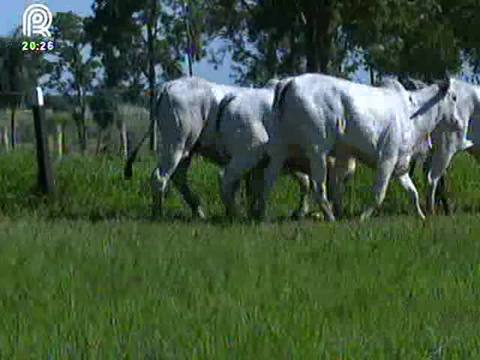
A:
[37,20]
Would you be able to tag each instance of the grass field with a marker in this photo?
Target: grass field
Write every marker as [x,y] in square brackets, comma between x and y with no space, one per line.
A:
[89,276]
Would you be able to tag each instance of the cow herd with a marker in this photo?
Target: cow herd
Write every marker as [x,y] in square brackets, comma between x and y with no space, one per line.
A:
[314,127]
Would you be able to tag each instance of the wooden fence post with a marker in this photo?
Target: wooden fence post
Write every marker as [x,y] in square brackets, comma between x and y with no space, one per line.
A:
[45,172]
[60,143]
[124,140]
[6,139]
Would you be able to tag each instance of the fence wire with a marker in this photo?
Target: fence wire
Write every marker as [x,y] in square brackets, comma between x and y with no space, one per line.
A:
[111,124]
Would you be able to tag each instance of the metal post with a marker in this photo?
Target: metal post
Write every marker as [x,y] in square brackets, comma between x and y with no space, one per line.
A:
[45,172]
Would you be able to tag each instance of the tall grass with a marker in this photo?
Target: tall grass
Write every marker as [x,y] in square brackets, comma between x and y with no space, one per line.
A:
[94,188]
[89,276]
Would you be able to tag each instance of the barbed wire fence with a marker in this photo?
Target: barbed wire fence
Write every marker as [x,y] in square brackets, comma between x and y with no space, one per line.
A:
[10,101]
[110,127]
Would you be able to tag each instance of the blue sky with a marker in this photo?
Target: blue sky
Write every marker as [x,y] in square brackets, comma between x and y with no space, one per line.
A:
[11,12]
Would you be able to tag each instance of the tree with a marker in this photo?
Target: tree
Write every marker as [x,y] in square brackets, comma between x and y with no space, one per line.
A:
[137,39]
[19,75]
[464,18]
[73,70]
[408,38]
[62,110]
[275,38]
[104,105]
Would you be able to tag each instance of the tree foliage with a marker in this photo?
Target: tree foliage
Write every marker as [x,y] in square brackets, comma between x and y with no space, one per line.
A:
[73,68]
[420,38]
[19,71]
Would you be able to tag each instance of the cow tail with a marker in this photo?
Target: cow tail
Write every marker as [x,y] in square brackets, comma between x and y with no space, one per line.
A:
[227,99]
[279,97]
[128,169]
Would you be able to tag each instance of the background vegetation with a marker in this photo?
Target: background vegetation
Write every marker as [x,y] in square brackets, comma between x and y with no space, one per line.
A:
[88,275]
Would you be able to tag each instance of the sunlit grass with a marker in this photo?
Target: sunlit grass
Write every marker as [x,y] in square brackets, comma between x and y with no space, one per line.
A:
[89,276]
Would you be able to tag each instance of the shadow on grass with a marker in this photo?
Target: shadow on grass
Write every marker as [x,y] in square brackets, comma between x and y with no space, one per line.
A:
[59,207]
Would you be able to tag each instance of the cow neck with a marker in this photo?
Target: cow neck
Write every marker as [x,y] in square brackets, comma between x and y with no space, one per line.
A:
[427,113]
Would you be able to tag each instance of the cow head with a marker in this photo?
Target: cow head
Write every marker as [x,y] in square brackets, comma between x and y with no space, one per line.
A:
[452,117]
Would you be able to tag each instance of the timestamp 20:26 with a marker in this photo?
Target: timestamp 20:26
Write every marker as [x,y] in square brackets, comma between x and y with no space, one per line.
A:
[38,46]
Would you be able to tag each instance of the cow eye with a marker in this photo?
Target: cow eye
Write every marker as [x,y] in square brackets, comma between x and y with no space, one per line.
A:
[454,97]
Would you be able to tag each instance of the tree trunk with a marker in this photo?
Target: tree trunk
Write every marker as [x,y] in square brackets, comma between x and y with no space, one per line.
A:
[13,128]
[372,76]
[60,145]
[80,134]
[84,139]
[151,37]
[311,50]
[124,140]
[153,125]
[81,131]
[84,129]
[5,138]
[320,32]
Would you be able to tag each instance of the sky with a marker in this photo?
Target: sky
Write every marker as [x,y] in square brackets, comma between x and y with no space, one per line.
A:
[11,12]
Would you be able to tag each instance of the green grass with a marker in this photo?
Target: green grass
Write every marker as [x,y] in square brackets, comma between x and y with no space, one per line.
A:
[88,276]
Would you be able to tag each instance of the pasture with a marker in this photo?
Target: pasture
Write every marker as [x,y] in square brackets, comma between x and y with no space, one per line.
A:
[88,275]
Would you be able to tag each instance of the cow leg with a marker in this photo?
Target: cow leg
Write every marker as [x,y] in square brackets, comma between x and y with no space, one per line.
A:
[408,185]
[159,186]
[160,178]
[303,207]
[330,177]
[441,193]
[413,165]
[180,179]
[256,178]
[270,174]
[250,189]
[318,165]
[440,162]
[341,175]
[233,173]
[384,173]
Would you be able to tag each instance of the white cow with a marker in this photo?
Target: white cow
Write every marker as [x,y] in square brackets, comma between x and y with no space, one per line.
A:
[321,115]
[186,116]
[244,136]
[241,135]
[183,108]
[445,145]
[469,106]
